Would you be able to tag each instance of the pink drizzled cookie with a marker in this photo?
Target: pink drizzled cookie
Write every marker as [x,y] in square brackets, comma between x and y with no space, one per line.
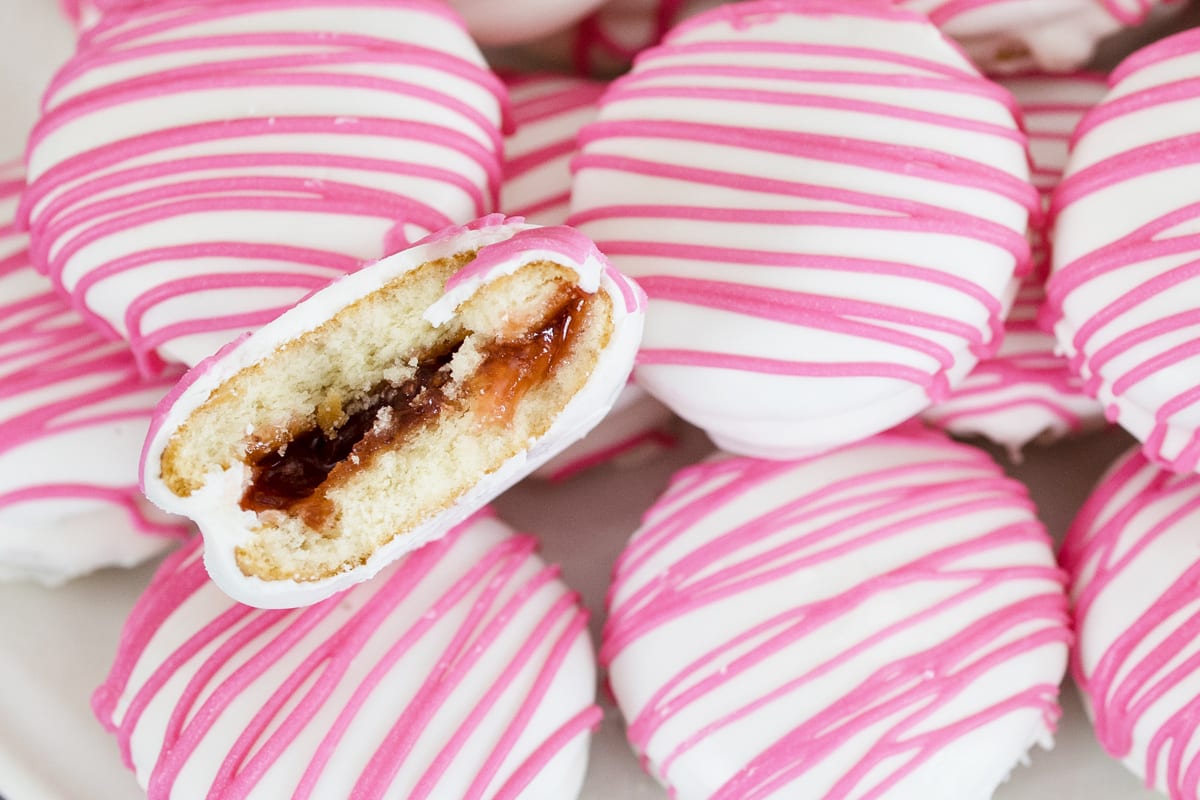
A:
[73,413]
[490,23]
[885,620]
[799,186]
[380,412]
[463,671]
[1132,557]
[1018,35]
[1121,296]
[202,165]
[1027,392]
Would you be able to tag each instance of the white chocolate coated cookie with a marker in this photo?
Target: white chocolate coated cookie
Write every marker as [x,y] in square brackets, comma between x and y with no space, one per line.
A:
[388,375]
[1019,35]
[1027,392]
[1132,557]
[798,187]
[463,671]
[201,166]
[73,414]
[1121,297]
[885,620]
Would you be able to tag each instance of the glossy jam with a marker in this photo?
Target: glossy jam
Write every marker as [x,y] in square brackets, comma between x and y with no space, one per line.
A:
[294,477]
[291,474]
[511,367]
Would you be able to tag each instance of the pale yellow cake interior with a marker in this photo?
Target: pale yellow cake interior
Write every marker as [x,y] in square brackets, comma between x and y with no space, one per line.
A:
[328,374]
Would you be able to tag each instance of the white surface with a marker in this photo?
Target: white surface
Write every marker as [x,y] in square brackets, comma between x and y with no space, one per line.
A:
[56,645]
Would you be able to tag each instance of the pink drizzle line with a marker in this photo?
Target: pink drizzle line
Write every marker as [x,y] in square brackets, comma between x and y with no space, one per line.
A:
[566,245]
[1127,682]
[863,320]
[1128,253]
[1034,381]
[546,111]
[109,191]
[882,504]
[82,382]
[246,642]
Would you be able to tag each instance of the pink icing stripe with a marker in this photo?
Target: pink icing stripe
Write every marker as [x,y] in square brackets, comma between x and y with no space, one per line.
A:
[71,171]
[335,49]
[813,311]
[57,211]
[541,97]
[88,105]
[937,387]
[576,627]
[129,21]
[892,58]
[918,218]
[238,646]
[1180,44]
[470,642]
[623,91]
[948,484]
[178,576]
[586,720]
[742,16]
[88,200]
[516,166]
[836,77]
[929,164]
[558,241]
[1136,512]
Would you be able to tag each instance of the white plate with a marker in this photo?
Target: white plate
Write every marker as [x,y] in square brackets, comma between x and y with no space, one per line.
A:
[56,645]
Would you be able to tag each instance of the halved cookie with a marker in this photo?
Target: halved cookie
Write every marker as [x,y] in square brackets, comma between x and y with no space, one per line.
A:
[386,408]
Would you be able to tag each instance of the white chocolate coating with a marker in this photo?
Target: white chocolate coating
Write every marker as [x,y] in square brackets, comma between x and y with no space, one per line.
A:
[1027,392]
[464,671]
[215,507]
[73,414]
[1134,564]
[801,217]
[201,166]
[1121,297]
[885,620]
[1020,35]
